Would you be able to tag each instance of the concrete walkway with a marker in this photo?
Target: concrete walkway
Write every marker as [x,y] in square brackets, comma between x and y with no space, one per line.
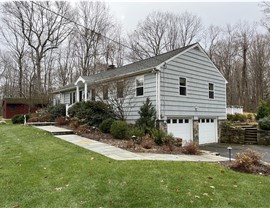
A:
[121,154]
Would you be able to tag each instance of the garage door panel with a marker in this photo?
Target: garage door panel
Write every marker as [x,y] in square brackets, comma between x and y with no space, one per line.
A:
[207,130]
[181,128]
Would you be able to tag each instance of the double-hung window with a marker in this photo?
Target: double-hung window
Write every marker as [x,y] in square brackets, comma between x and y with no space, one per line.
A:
[120,89]
[183,86]
[211,91]
[105,92]
[139,85]
[72,97]
[93,94]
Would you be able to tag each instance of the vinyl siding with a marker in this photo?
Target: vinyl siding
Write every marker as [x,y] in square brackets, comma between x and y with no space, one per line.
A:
[137,102]
[132,103]
[199,72]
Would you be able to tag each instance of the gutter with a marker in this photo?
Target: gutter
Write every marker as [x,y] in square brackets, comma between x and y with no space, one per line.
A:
[125,75]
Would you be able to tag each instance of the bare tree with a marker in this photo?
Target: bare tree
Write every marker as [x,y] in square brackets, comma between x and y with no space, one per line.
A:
[266,10]
[65,58]
[190,28]
[8,76]
[259,62]
[119,94]
[244,35]
[43,25]
[16,44]
[96,21]
[161,32]
[211,37]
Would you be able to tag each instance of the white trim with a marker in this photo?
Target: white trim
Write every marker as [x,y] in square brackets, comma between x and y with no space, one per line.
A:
[158,94]
[80,79]
[182,86]
[157,109]
[85,91]
[211,91]
[190,48]
[122,76]
[139,77]
[77,94]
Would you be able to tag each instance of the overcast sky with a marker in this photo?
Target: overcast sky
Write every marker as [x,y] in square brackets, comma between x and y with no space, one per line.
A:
[217,13]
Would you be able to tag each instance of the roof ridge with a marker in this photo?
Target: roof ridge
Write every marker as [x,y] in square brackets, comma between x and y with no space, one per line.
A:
[153,57]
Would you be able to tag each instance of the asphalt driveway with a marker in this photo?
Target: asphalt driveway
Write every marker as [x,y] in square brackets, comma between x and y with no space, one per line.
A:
[221,148]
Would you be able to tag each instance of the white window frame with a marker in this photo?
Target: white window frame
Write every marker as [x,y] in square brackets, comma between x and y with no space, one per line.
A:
[107,92]
[182,86]
[213,91]
[118,83]
[136,86]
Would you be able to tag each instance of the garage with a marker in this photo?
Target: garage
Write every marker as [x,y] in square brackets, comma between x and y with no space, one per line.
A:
[207,130]
[180,127]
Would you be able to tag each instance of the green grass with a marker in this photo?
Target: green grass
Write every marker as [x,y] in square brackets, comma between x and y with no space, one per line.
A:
[39,170]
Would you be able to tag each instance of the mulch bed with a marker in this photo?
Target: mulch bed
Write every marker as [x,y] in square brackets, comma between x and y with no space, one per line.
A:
[147,145]
[261,169]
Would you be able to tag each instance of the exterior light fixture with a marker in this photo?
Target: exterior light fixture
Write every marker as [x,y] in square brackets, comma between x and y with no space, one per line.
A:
[230,153]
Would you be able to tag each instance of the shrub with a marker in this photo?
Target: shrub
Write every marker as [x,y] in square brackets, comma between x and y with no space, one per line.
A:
[191,148]
[61,121]
[237,117]
[158,136]
[147,116]
[264,123]
[74,123]
[42,118]
[57,111]
[246,161]
[119,129]
[19,118]
[137,132]
[105,125]
[168,139]
[250,117]
[263,110]
[91,112]
[147,142]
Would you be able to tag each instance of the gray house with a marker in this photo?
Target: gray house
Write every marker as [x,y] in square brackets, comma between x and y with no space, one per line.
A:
[186,88]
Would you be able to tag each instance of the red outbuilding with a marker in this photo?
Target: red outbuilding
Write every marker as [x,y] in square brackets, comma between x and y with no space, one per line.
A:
[13,106]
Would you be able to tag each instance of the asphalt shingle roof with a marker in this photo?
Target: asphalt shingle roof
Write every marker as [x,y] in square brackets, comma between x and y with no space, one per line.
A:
[132,67]
[136,66]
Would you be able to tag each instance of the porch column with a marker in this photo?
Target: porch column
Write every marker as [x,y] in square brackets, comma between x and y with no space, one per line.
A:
[77,94]
[85,91]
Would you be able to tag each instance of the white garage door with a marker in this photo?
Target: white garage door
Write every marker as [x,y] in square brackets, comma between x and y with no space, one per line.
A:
[180,127]
[207,130]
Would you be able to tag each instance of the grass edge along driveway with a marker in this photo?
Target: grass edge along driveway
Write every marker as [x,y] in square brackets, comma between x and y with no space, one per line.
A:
[39,170]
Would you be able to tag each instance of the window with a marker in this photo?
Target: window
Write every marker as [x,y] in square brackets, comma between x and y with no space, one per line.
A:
[105,92]
[120,89]
[93,94]
[168,121]
[139,85]
[80,95]
[174,121]
[72,97]
[211,91]
[183,86]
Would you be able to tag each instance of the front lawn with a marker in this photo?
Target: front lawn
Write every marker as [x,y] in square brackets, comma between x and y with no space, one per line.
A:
[39,170]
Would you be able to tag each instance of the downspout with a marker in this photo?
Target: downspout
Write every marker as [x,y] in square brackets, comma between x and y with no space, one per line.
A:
[158,93]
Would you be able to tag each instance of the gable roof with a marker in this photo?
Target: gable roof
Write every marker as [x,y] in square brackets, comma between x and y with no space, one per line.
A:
[138,66]
[133,68]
